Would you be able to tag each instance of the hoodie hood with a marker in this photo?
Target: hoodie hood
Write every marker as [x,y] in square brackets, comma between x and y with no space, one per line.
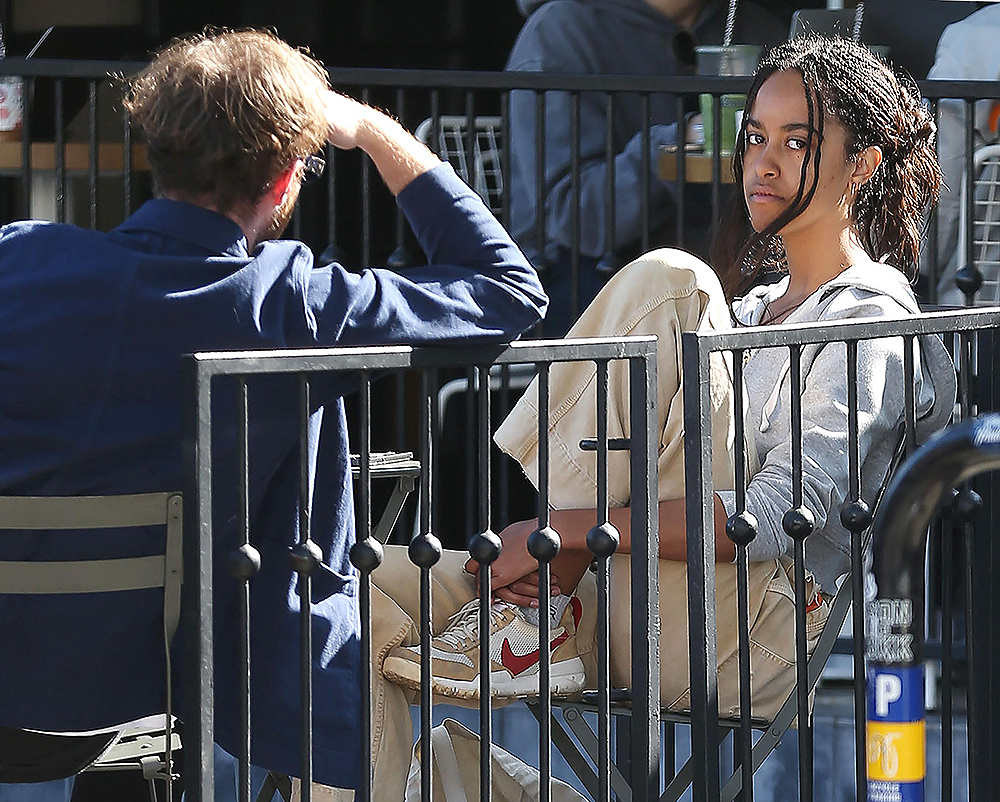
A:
[865,290]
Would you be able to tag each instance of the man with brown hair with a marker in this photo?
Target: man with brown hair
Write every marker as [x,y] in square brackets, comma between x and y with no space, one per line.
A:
[92,334]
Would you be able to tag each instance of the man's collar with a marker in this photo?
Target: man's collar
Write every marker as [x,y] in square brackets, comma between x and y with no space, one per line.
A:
[186,222]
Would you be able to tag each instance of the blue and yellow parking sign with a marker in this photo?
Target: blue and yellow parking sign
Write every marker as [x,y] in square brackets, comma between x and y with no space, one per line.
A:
[896,734]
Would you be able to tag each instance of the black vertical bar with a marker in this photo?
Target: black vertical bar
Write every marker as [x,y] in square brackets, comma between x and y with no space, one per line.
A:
[970,189]
[483,434]
[364,511]
[574,219]
[244,615]
[701,573]
[610,196]
[469,141]
[669,750]
[644,527]
[701,570]
[399,379]
[485,719]
[857,571]
[603,611]
[60,154]
[909,400]
[127,161]
[304,583]
[331,194]
[196,596]
[645,185]
[470,451]
[436,123]
[801,655]
[544,594]
[947,664]
[716,159]
[92,152]
[505,158]
[366,198]
[400,220]
[743,738]
[297,222]
[28,91]
[435,416]
[681,171]
[426,485]
[979,771]
[978,736]
[540,175]
[503,475]
[932,231]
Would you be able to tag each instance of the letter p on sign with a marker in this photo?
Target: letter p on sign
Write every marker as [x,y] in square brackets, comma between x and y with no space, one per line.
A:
[888,689]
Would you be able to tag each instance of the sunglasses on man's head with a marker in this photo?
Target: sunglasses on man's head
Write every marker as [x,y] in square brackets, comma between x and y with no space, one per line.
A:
[313,167]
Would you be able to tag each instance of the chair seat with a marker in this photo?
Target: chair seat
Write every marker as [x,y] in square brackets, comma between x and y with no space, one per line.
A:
[27,756]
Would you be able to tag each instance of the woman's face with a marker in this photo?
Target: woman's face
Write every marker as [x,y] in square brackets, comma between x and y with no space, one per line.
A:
[778,140]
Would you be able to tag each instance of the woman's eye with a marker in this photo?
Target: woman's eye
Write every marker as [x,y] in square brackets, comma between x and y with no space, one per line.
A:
[754,138]
[797,144]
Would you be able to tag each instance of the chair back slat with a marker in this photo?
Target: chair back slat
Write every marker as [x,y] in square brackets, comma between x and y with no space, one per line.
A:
[82,576]
[83,512]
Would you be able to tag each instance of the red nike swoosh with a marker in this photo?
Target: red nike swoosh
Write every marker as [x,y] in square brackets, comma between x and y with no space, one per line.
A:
[517,663]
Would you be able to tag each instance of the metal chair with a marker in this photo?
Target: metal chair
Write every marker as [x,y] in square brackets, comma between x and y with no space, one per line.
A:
[33,756]
[477,162]
[985,227]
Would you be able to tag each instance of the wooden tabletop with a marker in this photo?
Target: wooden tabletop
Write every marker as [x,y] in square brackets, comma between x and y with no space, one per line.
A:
[697,166]
[76,156]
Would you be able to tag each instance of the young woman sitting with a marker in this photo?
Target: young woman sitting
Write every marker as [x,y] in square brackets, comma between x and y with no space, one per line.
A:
[836,161]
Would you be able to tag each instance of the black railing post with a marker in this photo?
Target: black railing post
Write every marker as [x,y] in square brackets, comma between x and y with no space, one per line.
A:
[701,568]
[645,734]
[196,596]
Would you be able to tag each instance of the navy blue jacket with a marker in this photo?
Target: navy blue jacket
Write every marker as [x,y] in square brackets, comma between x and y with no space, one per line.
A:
[93,327]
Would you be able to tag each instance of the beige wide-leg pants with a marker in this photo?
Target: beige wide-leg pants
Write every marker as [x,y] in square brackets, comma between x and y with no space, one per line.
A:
[664,292]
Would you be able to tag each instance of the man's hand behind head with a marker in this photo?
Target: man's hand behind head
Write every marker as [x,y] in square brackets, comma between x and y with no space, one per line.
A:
[397,156]
[345,117]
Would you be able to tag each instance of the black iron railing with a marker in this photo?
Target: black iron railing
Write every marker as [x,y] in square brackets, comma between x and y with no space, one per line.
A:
[75,132]
[351,219]
[969,330]
[425,547]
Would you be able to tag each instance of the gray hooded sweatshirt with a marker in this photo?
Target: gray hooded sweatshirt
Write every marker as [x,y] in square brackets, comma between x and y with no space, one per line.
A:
[870,290]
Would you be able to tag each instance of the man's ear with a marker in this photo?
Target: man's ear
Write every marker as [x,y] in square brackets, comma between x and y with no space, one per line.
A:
[866,164]
[279,188]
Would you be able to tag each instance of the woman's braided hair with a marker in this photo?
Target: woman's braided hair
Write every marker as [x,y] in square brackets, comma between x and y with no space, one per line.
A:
[876,106]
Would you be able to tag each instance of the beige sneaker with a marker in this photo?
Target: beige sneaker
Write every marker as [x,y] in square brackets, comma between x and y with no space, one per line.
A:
[514,655]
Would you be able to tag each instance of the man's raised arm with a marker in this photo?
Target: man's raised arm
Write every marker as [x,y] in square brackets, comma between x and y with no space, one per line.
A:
[397,155]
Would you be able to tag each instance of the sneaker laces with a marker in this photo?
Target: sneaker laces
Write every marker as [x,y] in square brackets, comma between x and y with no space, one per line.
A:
[463,626]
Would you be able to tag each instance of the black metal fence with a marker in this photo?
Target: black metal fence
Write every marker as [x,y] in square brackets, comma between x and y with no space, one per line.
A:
[425,547]
[77,159]
[976,332]
[966,332]
[77,151]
